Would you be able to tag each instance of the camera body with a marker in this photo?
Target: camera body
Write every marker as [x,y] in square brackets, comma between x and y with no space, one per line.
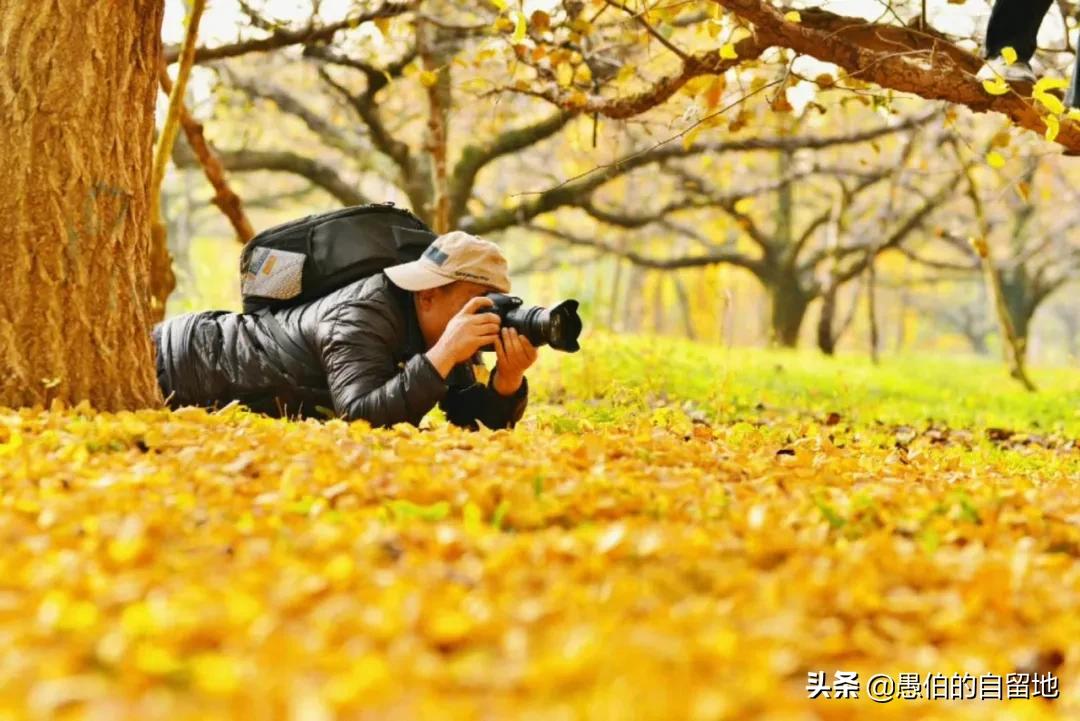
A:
[558,327]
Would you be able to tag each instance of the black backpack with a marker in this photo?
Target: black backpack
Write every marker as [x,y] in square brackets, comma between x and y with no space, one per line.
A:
[305,259]
[299,261]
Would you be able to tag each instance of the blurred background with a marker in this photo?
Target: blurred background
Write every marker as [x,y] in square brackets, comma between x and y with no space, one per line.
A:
[778,202]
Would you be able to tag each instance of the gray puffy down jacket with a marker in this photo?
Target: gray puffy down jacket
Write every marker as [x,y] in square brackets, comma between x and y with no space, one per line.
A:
[363,357]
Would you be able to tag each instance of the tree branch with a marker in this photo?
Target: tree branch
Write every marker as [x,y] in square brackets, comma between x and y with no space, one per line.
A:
[708,63]
[365,107]
[327,131]
[698,201]
[224,198]
[754,265]
[244,161]
[283,37]
[909,225]
[475,157]
[920,62]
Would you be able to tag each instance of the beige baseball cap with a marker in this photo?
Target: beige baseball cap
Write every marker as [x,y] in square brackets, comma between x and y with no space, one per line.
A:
[454,256]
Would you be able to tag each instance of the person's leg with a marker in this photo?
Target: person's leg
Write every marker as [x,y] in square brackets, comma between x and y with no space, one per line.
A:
[1072,96]
[1015,24]
[159,363]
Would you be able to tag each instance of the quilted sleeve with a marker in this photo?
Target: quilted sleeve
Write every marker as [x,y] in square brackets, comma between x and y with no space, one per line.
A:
[362,376]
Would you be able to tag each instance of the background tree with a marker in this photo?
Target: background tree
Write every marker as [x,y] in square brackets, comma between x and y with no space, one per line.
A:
[1035,254]
[796,262]
[597,121]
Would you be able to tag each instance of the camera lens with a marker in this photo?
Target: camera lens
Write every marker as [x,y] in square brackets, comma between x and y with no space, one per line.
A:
[558,327]
[563,326]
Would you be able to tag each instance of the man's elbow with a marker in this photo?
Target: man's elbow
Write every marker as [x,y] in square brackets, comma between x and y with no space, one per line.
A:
[376,415]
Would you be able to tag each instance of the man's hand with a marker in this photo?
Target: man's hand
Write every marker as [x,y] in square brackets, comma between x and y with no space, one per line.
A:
[514,354]
[466,333]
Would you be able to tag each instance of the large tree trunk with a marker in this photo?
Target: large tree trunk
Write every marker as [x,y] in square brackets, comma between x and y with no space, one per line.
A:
[826,339]
[788,306]
[1020,300]
[1015,347]
[77,94]
[686,307]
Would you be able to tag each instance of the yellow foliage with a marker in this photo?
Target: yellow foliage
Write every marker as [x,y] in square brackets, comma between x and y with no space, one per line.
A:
[564,74]
[199,565]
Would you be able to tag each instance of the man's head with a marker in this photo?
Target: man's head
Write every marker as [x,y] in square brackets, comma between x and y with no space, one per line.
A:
[455,268]
[436,306]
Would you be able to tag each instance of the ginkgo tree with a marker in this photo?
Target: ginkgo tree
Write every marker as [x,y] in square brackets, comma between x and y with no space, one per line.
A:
[1036,255]
[822,223]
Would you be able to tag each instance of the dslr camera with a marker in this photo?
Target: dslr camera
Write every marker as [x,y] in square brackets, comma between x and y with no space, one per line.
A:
[558,327]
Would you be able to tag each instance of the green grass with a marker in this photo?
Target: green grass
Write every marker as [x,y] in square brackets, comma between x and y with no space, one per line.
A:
[616,377]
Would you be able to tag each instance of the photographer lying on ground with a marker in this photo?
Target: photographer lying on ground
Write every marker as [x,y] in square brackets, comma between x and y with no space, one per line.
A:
[386,349]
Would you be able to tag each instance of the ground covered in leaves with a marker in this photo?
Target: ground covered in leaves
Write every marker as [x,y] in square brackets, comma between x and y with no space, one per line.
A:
[656,541]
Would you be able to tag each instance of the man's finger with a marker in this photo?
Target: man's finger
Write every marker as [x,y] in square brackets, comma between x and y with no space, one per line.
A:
[513,350]
[530,349]
[519,348]
[477,303]
[500,351]
[483,325]
[526,349]
[526,343]
[486,318]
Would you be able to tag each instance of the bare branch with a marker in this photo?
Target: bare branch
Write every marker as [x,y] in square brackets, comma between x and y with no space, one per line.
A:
[330,133]
[243,161]
[754,265]
[284,37]
[365,107]
[666,150]
[911,223]
[476,157]
[696,202]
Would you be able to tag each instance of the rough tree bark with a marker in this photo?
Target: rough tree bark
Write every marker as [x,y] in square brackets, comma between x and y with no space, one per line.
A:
[78,85]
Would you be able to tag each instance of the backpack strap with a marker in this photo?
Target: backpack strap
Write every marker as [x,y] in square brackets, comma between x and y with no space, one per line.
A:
[294,359]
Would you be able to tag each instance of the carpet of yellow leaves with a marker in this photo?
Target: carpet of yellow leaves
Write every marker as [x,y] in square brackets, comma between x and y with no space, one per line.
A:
[197,566]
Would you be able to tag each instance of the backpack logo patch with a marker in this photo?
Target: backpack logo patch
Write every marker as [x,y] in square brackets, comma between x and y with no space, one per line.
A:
[273,274]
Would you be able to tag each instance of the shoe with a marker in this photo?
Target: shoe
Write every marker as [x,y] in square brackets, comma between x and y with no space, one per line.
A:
[1018,72]
[1071,101]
